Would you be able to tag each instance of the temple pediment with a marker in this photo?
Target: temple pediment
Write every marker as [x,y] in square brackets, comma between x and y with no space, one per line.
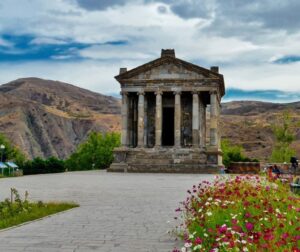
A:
[169,68]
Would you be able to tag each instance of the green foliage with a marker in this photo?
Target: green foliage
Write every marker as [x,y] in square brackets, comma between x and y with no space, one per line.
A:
[15,211]
[284,131]
[233,153]
[40,166]
[95,153]
[11,152]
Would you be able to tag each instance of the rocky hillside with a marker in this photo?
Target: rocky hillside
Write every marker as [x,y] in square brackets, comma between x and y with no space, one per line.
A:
[46,118]
[248,123]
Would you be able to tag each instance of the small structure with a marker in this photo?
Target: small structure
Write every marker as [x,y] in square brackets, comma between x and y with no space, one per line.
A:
[12,167]
[2,167]
[164,117]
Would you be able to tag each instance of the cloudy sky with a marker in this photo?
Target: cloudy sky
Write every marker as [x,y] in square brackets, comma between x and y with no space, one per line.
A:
[85,42]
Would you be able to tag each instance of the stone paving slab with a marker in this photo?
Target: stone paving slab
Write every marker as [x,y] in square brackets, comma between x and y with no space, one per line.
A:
[118,211]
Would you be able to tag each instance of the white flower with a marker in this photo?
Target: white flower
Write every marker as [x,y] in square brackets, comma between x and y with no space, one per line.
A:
[183,249]
[244,242]
[277,210]
[199,246]
[209,213]
[245,249]
[191,236]
[188,245]
[209,199]
[205,234]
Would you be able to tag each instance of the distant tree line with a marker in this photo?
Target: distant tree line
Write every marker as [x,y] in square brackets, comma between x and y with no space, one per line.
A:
[95,153]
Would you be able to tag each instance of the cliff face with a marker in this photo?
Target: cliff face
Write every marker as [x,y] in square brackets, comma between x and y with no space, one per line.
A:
[49,118]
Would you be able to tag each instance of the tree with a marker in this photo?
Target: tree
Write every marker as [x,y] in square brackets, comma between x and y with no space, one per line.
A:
[233,153]
[95,153]
[11,152]
[284,130]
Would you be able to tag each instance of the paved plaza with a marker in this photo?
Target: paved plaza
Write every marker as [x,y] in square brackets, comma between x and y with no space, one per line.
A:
[118,211]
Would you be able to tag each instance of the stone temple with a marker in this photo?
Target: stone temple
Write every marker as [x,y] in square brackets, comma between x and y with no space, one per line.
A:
[170,117]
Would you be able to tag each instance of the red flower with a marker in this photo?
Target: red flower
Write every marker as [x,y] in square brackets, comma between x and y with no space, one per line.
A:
[198,241]
[249,226]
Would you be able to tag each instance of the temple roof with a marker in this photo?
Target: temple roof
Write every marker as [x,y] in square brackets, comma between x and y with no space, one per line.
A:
[168,57]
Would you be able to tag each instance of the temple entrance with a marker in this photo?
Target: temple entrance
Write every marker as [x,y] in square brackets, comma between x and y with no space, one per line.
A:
[168,126]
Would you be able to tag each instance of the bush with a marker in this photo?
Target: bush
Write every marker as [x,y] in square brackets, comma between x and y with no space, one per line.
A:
[41,166]
[243,213]
[233,153]
[11,152]
[95,153]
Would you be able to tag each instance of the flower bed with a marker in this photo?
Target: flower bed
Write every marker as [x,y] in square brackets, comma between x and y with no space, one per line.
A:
[243,213]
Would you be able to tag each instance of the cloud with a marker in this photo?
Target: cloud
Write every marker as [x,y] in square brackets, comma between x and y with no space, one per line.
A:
[251,41]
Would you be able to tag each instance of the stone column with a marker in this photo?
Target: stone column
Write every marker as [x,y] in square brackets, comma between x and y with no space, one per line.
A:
[124,111]
[202,126]
[141,122]
[213,119]
[177,119]
[195,119]
[158,119]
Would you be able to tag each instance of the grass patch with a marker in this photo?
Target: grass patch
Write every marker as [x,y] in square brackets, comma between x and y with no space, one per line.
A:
[15,211]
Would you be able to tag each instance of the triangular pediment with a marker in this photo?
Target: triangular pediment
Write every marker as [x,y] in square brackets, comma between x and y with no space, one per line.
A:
[167,68]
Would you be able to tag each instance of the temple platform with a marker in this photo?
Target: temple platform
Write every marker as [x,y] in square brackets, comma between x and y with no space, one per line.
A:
[163,160]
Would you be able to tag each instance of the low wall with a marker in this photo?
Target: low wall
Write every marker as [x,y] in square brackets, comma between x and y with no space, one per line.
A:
[244,168]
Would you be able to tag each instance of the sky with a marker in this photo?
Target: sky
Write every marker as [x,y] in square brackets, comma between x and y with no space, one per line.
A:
[85,42]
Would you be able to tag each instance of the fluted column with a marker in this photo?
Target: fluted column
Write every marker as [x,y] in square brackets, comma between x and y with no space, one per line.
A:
[195,119]
[124,112]
[213,119]
[158,119]
[177,122]
[141,122]
[202,125]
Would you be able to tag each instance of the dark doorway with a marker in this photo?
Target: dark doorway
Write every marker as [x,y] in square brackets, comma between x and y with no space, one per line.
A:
[168,127]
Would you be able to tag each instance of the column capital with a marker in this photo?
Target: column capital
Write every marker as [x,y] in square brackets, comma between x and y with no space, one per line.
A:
[124,93]
[158,92]
[194,92]
[213,92]
[177,92]
[141,92]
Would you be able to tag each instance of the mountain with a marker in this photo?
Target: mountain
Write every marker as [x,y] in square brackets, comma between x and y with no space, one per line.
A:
[50,118]
[248,123]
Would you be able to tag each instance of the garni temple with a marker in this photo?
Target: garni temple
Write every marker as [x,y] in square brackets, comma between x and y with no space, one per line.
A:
[170,117]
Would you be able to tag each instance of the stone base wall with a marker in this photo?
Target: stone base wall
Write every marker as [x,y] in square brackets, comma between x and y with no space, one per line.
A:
[244,168]
[168,160]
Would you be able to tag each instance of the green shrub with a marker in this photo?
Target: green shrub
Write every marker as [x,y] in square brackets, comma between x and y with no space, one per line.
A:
[11,152]
[41,166]
[95,153]
[233,153]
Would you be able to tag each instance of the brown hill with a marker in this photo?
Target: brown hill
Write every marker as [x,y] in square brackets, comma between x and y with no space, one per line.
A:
[46,118]
[49,118]
[248,123]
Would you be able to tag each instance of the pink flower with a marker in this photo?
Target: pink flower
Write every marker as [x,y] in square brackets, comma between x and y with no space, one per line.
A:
[249,226]
[198,241]
[223,229]
[247,215]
